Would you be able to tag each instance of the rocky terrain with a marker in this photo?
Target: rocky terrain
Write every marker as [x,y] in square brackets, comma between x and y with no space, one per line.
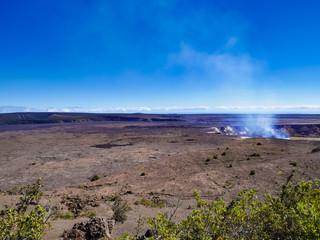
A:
[161,160]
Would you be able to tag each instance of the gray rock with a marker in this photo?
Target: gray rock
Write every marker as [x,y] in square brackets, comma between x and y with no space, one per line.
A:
[93,229]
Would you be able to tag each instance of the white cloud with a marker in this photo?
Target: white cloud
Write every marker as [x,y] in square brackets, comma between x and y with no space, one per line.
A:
[173,109]
[8,109]
[280,107]
[11,109]
[132,109]
[49,110]
[181,108]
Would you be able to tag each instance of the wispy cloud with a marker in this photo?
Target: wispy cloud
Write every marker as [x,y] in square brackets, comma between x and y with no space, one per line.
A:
[174,109]
[231,42]
[280,107]
[228,76]
[182,108]
[10,109]
[134,109]
[222,67]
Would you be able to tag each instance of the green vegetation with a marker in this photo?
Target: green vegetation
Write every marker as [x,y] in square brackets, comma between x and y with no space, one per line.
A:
[95,178]
[89,214]
[252,172]
[215,157]
[294,164]
[19,223]
[294,213]
[142,174]
[113,197]
[67,215]
[120,208]
[259,143]
[255,155]
[228,185]
[75,205]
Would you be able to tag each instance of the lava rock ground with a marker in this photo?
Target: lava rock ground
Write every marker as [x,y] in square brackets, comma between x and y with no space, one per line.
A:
[162,160]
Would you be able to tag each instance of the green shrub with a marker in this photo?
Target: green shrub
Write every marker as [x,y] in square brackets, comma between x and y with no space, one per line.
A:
[252,172]
[95,178]
[259,143]
[294,213]
[294,164]
[255,155]
[89,214]
[19,223]
[120,209]
[142,174]
[75,205]
[112,198]
[229,184]
[67,215]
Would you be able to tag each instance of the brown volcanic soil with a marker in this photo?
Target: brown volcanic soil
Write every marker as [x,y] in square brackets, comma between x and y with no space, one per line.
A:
[177,158]
[67,155]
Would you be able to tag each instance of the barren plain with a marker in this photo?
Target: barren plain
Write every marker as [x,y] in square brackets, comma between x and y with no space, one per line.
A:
[163,157]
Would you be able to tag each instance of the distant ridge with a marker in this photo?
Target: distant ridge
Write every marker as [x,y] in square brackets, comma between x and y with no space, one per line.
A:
[20,118]
[58,117]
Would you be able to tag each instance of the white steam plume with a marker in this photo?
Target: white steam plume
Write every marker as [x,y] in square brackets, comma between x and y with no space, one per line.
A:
[263,126]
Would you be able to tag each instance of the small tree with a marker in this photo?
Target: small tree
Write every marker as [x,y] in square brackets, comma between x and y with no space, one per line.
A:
[18,223]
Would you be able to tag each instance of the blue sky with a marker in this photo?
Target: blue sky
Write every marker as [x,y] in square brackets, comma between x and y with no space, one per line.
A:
[160,56]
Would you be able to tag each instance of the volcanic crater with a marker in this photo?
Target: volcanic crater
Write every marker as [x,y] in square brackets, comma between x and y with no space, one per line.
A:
[145,156]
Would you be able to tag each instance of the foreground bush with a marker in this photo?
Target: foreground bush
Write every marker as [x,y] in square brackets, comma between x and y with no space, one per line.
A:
[120,209]
[293,214]
[19,223]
